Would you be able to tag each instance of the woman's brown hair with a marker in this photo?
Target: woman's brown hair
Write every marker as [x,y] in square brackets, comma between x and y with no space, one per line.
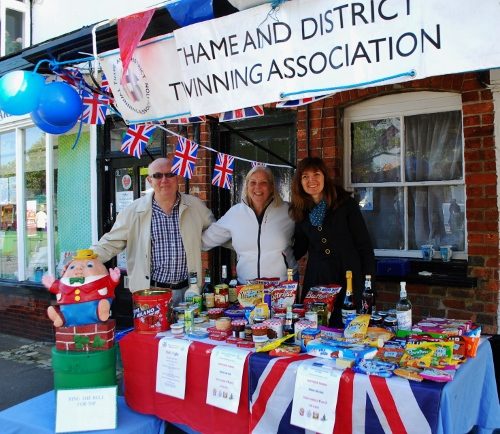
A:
[302,202]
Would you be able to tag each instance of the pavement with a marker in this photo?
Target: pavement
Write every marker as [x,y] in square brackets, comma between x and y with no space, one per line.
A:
[25,369]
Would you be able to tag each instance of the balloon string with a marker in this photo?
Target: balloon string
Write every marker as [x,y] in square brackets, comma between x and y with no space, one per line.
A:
[78,134]
[54,64]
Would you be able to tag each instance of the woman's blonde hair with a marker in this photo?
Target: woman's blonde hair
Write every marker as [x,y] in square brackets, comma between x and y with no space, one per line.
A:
[270,178]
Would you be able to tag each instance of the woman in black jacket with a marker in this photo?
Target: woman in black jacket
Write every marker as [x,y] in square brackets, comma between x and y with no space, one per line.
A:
[331,230]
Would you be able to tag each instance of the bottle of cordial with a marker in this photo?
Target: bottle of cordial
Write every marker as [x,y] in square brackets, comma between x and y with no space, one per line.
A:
[403,309]
[208,292]
[193,289]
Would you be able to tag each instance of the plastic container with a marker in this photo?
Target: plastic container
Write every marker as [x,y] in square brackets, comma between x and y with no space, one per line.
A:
[152,311]
[79,370]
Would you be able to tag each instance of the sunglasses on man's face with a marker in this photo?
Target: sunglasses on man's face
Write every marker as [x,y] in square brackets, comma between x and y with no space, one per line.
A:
[159,175]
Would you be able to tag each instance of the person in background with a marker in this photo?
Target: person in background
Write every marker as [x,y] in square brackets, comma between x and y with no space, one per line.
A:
[259,228]
[162,234]
[330,228]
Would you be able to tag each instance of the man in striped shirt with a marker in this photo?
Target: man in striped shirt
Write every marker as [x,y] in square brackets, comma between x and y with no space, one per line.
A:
[162,234]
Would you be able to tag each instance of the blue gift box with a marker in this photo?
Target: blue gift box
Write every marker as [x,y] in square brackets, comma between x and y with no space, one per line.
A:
[393,267]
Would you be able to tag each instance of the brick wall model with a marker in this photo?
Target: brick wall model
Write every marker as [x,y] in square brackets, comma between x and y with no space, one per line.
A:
[324,138]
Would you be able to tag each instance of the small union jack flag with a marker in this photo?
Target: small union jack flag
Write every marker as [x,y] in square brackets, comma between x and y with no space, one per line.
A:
[185,157]
[106,89]
[136,139]
[243,113]
[223,171]
[298,102]
[94,108]
[185,121]
[72,76]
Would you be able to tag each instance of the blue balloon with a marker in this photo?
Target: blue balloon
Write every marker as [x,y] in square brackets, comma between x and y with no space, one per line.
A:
[59,104]
[20,91]
[49,128]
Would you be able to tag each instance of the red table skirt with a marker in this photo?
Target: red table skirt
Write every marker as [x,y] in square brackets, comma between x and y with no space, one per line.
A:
[139,354]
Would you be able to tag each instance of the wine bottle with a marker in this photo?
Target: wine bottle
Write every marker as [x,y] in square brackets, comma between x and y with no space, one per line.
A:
[403,309]
[208,292]
[368,297]
[193,289]
[223,275]
[348,306]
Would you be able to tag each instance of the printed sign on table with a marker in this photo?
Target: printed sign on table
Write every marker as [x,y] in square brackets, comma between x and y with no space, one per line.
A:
[171,367]
[315,396]
[225,377]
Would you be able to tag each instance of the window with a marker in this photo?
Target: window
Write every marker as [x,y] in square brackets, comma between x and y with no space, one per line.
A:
[405,165]
[15,19]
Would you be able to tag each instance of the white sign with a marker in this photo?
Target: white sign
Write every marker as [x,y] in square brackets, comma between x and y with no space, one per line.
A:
[301,49]
[315,396]
[171,367]
[146,97]
[123,199]
[86,409]
[225,377]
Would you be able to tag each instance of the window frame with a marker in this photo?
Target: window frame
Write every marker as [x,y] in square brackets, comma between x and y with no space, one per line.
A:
[402,105]
[22,6]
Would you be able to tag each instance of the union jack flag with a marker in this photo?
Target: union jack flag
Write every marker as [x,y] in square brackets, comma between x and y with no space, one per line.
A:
[94,108]
[72,76]
[366,403]
[243,113]
[106,89]
[302,101]
[223,171]
[136,139]
[185,121]
[185,157]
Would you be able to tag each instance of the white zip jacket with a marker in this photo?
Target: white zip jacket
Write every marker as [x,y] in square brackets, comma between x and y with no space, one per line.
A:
[263,250]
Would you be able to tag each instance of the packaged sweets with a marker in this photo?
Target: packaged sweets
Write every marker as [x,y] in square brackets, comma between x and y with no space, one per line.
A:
[283,295]
[439,375]
[358,327]
[409,373]
[325,294]
[250,295]
[375,367]
[391,355]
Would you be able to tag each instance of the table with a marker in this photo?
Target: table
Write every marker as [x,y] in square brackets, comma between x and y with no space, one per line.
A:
[139,353]
[395,404]
[38,415]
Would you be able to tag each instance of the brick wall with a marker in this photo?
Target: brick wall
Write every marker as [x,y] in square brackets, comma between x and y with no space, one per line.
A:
[324,138]
[23,312]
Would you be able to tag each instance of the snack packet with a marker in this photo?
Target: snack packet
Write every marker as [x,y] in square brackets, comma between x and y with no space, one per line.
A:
[250,295]
[358,327]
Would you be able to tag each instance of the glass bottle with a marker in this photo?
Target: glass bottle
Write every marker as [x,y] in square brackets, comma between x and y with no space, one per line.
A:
[348,307]
[368,297]
[223,275]
[403,309]
[289,274]
[288,326]
[208,292]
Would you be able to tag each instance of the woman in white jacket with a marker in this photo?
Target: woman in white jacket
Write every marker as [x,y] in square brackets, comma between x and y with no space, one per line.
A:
[259,229]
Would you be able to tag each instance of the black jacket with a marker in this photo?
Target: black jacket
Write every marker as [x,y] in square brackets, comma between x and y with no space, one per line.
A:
[341,243]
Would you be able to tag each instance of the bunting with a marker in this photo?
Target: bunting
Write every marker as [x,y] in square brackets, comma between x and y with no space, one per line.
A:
[223,171]
[94,108]
[299,102]
[106,90]
[185,157]
[243,113]
[188,120]
[136,139]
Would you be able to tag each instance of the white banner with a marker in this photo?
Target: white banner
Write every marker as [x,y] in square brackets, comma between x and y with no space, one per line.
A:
[147,97]
[306,48]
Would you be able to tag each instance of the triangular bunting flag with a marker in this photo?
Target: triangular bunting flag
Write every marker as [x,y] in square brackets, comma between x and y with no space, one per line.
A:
[302,101]
[185,121]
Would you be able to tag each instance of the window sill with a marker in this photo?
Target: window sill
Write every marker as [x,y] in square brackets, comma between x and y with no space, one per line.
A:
[453,273]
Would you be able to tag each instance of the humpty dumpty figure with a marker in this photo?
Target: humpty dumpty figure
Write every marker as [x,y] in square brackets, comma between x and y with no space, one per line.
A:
[84,293]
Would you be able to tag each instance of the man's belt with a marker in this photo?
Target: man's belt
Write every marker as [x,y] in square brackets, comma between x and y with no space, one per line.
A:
[179,285]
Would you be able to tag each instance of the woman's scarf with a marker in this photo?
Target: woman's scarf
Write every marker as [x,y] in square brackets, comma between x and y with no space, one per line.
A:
[317,214]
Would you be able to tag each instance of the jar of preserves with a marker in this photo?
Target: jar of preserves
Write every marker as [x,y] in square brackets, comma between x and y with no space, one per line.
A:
[376,321]
[321,309]
[391,324]
[312,317]
[221,297]
[259,333]
[238,328]
[214,313]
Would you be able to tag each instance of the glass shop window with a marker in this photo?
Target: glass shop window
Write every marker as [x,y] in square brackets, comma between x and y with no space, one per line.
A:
[406,167]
